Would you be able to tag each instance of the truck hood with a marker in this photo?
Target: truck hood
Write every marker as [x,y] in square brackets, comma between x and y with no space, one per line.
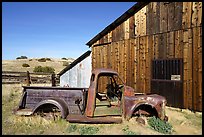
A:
[153,99]
[129,91]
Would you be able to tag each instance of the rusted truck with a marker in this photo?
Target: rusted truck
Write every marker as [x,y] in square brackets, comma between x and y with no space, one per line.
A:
[107,100]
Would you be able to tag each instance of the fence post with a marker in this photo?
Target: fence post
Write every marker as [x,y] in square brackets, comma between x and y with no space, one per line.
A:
[53,80]
[28,78]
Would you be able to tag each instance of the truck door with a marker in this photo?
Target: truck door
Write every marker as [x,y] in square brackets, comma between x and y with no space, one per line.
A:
[108,96]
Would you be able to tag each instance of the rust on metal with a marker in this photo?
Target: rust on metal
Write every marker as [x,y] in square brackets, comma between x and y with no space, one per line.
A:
[80,105]
[153,104]
[93,120]
[92,90]
[64,98]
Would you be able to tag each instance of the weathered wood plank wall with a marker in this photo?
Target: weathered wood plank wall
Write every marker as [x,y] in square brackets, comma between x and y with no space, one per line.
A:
[160,30]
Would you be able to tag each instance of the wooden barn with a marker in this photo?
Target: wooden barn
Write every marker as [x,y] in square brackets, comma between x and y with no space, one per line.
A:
[78,73]
[157,48]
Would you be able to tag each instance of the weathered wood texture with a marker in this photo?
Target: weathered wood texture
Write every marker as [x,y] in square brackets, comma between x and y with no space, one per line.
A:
[160,30]
[9,77]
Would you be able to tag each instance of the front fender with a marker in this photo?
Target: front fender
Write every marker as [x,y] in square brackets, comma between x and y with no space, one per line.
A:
[61,104]
[132,107]
[131,104]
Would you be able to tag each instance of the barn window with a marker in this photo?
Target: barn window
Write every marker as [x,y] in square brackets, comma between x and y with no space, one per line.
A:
[167,69]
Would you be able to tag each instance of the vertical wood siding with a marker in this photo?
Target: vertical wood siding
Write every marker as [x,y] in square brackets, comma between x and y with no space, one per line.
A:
[160,30]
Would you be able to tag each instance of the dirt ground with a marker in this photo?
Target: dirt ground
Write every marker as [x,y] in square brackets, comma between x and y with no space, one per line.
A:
[184,122]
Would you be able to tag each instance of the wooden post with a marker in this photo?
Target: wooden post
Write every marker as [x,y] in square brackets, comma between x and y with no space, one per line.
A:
[28,78]
[53,80]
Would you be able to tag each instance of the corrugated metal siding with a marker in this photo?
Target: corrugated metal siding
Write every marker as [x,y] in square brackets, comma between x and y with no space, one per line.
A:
[78,76]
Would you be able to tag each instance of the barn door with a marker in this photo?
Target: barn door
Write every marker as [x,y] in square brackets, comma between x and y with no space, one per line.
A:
[167,80]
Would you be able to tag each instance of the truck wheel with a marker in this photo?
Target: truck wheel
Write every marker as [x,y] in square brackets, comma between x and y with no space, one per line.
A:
[57,107]
[55,114]
[49,112]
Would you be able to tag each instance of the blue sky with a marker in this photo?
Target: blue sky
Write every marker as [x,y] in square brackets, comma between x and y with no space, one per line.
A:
[54,29]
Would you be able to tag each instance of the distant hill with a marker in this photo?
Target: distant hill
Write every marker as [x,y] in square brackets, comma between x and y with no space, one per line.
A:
[16,65]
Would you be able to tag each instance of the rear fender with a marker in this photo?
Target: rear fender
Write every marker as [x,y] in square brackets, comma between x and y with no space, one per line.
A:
[59,103]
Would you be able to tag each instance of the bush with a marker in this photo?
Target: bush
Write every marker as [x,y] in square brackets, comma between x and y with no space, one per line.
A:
[72,128]
[44,69]
[159,125]
[64,58]
[48,69]
[44,59]
[22,57]
[25,65]
[38,69]
[65,63]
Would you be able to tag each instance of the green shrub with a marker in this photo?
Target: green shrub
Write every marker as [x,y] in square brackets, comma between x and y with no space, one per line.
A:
[64,58]
[25,65]
[38,69]
[22,57]
[65,63]
[45,69]
[44,59]
[48,69]
[72,128]
[159,125]
[87,130]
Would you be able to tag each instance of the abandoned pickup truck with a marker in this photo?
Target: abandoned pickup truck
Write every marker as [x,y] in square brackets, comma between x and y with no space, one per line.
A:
[107,100]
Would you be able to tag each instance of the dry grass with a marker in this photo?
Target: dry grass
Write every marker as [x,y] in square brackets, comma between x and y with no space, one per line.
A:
[16,65]
[183,122]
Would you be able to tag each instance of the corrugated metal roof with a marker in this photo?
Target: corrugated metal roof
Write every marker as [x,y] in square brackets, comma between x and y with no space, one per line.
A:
[75,62]
[118,21]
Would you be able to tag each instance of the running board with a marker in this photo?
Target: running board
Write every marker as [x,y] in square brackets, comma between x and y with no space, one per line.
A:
[93,120]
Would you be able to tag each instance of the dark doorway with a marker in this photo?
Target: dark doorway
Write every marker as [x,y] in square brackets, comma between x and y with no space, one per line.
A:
[167,80]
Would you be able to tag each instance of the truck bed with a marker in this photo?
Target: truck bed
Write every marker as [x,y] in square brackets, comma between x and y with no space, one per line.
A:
[33,95]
